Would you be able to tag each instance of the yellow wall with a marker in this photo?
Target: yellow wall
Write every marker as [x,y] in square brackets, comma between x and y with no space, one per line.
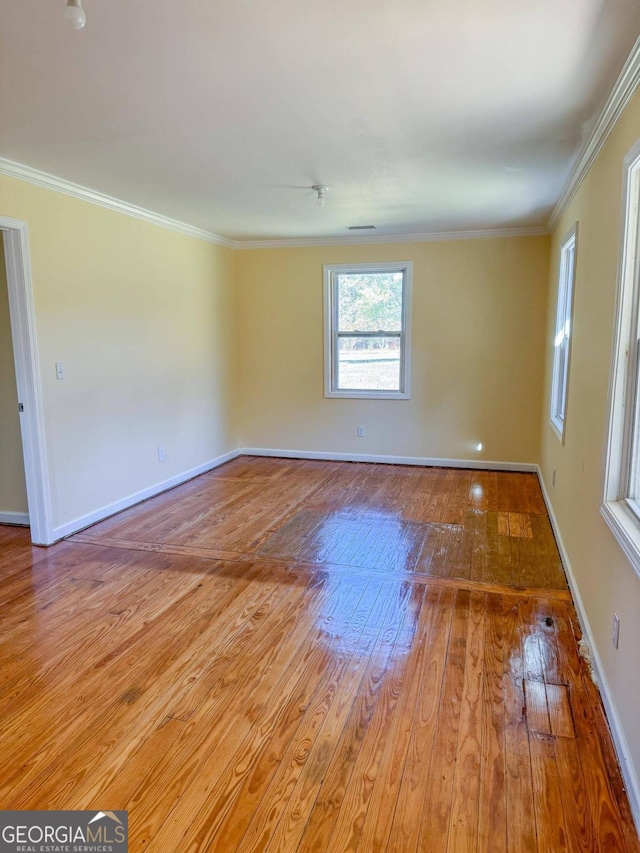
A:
[606,581]
[13,492]
[479,309]
[144,320]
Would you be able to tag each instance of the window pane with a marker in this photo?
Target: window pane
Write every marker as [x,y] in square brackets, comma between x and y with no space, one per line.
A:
[633,484]
[369,302]
[369,364]
[563,332]
[561,355]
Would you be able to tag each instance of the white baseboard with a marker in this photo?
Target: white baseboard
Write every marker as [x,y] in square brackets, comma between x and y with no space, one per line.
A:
[623,752]
[19,518]
[111,509]
[390,460]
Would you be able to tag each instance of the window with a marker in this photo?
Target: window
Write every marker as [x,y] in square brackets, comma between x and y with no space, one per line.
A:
[621,506]
[367,324]
[562,340]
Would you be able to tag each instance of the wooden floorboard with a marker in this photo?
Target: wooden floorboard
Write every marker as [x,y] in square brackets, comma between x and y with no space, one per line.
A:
[310,656]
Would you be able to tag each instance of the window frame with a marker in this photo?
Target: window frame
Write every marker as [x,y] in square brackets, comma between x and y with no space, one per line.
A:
[619,509]
[564,314]
[330,284]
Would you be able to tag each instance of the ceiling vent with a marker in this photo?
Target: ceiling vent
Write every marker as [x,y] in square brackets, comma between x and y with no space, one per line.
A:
[362,228]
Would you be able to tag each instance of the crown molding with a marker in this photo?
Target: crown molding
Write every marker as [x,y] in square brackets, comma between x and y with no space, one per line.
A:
[429,237]
[51,182]
[622,92]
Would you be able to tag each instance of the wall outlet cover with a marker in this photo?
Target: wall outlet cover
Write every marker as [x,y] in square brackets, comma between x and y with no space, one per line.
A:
[615,631]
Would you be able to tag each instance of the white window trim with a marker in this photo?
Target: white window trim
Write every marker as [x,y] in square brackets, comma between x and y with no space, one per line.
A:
[329,271]
[621,514]
[566,285]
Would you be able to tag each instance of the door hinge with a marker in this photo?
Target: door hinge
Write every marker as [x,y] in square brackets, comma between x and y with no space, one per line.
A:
[21,407]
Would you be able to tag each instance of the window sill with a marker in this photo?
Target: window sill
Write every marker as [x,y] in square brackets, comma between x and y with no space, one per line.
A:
[625,526]
[369,395]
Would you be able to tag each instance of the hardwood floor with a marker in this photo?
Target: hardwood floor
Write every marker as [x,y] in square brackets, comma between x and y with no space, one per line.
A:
[309,656]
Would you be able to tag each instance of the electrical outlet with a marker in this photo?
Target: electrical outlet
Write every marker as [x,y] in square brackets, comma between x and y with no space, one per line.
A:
[615,631]
[60,371]
[161,454]
[553,477]
[361,432]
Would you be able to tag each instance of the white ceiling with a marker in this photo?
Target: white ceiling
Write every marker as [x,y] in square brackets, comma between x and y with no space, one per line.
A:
[420,116]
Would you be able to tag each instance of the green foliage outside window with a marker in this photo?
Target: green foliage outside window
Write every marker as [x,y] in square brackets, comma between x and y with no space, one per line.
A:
[370,303]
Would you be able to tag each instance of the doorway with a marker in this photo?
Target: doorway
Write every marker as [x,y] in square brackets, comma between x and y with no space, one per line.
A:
[27,380]
[14,508]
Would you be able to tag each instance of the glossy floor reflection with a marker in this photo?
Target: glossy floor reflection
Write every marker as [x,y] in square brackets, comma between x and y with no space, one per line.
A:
[482,526]
[262,703]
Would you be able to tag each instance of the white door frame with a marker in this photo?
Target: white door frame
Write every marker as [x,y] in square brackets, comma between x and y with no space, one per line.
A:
[27,363]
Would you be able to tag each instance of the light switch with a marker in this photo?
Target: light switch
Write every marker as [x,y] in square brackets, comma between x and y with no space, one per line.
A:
[60,374]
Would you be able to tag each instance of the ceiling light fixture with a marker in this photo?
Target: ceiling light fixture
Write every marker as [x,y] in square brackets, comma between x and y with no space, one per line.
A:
[74,14]
[321,190]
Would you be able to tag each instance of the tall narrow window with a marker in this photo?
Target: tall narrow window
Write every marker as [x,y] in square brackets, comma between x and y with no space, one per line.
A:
[367,330]
[562,340]
[621,505]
